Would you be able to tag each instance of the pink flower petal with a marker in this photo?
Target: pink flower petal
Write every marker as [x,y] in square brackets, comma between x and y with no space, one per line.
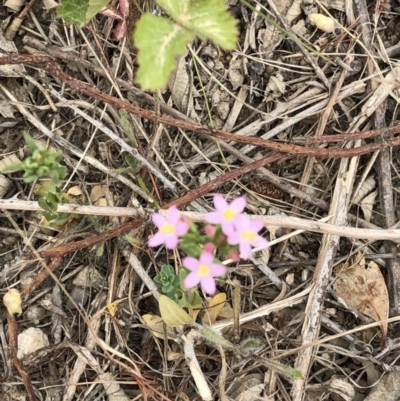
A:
[191,263]
[181,228]
[257,225]
[227,228]
[213,218]
[242,222]
[218,270]
[208,285]
[220,203]
[239,204]
[206,258]
[171,241]
[173,215]
[156,240]
[191,280]
[158,220]
[261,242]
[245,250]
[233,238]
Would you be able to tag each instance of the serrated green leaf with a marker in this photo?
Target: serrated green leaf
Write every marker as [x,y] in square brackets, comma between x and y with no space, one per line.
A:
[172,314]
[80,12]
[175,8]
[210,19]
[159,41]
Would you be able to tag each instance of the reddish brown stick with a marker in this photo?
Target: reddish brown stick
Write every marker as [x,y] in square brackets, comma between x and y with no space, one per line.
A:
[61,251]
[39,278]
[351,136]
[53,68]
[211,185]
[13,344]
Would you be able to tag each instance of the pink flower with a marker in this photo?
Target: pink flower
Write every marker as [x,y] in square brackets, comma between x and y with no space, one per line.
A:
[209,230]
[246,235]
[234,255]
[226,214]
[203,271]
[170,229]
[209,247]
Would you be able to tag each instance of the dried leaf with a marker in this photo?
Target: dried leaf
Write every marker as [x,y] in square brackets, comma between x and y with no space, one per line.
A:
[7,110]
[97,192]
[214,308]
[236,74]
[179,85]
[367,186]
[156,325]
[367,205]
[276,84]
[14,5]
[172,314]
[362,287]
[10,162]
[49,4]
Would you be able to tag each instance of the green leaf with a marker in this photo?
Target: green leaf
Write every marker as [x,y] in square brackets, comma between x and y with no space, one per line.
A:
[159,41]
[210,19]
[172,314]
[80,12]
[175,8]
[30,142]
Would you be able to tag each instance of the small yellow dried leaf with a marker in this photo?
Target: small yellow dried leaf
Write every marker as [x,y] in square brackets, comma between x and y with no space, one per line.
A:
[75,191]
[173,356]
[326,24]
[112,308]
[97,192]
[102,202]
[156,325]
[12,301]
[172,314]
[214,307]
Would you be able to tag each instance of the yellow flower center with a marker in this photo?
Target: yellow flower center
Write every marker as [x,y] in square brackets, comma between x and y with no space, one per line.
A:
[167,228]
[203,271]
[248,236]
[229,214]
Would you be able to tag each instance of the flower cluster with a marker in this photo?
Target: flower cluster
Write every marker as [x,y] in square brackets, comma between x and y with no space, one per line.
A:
[228,229]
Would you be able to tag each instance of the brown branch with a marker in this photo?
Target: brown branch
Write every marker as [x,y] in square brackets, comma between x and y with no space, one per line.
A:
[61,251]
[58,253]
[351,136]
[39,278]
[13,345]
[211,185]
[54,69]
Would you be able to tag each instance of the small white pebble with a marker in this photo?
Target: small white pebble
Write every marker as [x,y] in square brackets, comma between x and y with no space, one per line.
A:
[326,24]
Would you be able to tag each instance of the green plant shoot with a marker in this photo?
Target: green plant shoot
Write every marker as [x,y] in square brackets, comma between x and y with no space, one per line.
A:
[160,39]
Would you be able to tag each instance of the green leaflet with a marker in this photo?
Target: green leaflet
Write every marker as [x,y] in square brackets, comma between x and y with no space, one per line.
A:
[160,40]
[80,12]
[172,314]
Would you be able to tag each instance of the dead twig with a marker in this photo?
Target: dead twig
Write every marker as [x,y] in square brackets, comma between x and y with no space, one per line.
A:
[53,68]
[61,251]
[13,345]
